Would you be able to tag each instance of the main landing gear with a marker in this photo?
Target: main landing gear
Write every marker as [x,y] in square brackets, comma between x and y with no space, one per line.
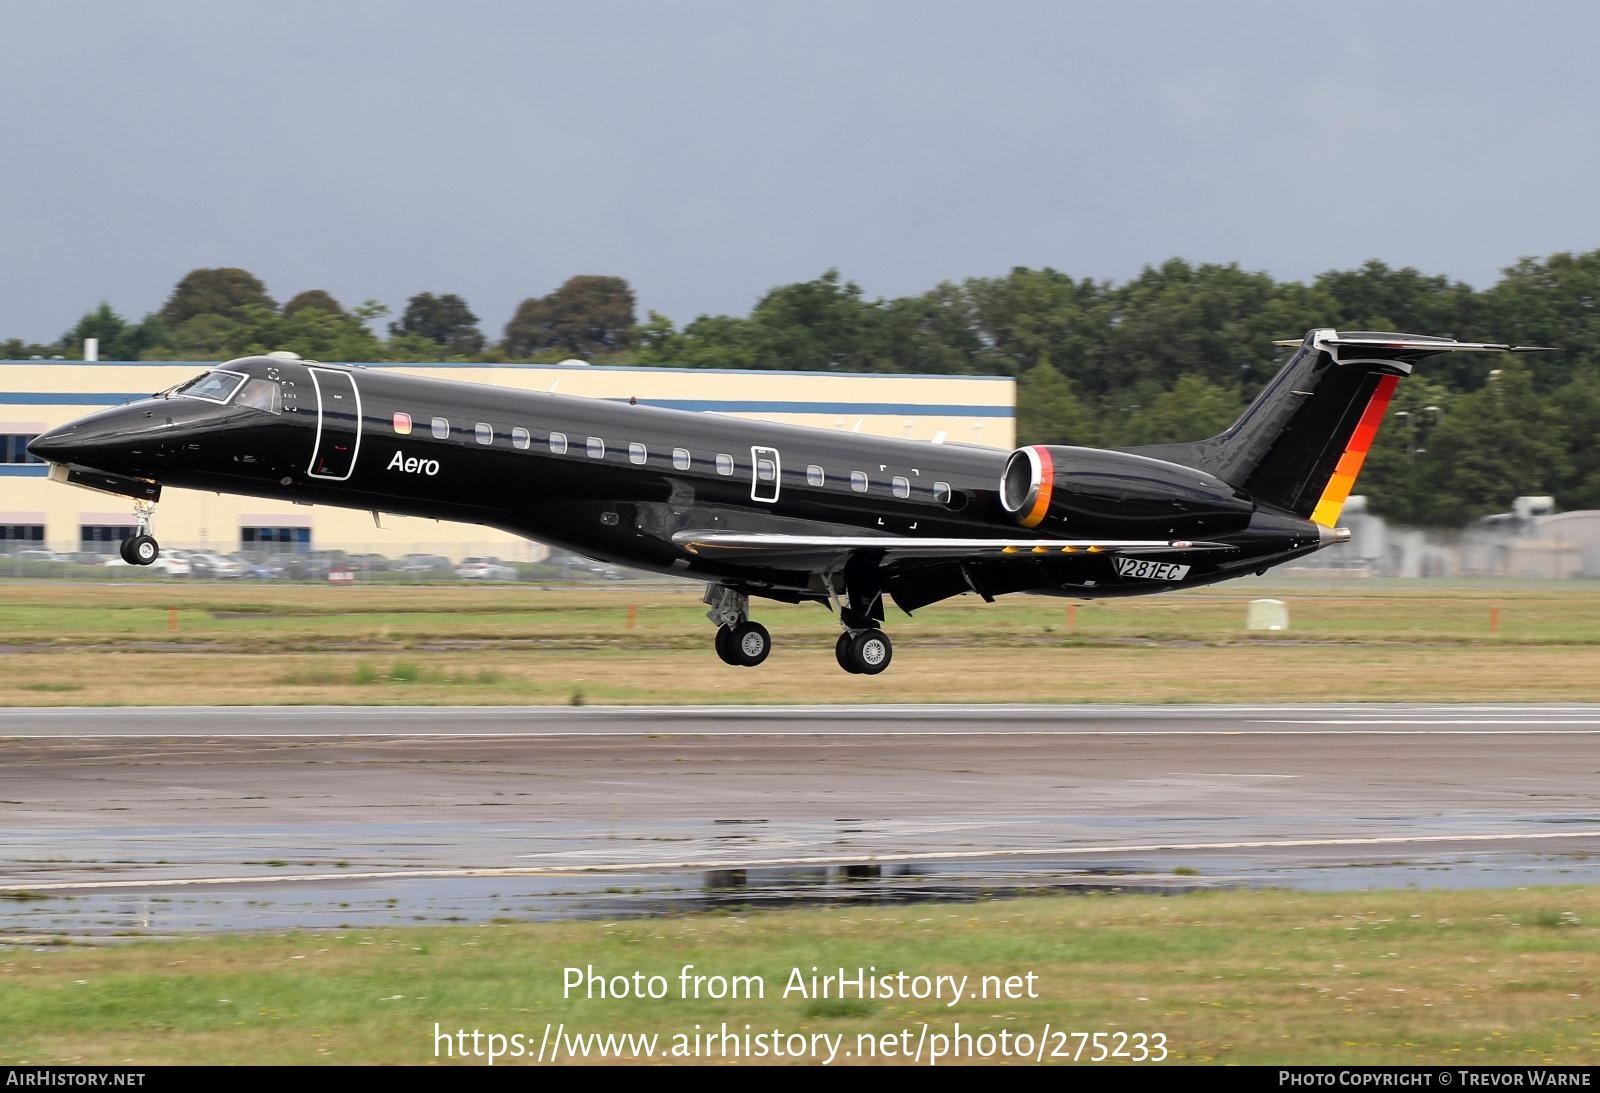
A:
[863,652]
[739,642]
[141,548]
[862,649]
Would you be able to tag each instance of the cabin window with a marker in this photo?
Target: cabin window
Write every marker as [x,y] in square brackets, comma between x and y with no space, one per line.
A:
[441,429]
[485,433]
[724,463]
[520,438]
[941,492]
[597,448]
[680,459]
[766,469]
[814,475]
[558,443]
[901,487]
[858,481]
[402,424]
[637,453]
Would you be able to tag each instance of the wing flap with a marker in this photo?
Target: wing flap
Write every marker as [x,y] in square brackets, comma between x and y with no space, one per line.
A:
[735,545]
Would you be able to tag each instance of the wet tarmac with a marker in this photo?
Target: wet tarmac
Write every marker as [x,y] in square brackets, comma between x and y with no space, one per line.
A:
[130,822]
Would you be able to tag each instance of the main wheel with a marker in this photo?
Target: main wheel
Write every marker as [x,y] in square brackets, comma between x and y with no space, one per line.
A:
[140,550]
[750,643]
[841,652]
[724,643]
[870,652]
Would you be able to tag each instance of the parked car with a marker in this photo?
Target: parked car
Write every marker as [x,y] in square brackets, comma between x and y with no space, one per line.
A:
[485,569]
[253,566]
[206,564]
[424,564]
[164,564]
[369,563]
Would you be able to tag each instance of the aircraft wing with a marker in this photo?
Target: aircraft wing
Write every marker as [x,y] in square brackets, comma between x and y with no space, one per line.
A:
[736,545]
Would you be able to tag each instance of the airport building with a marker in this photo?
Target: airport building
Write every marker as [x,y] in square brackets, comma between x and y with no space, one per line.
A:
[39,395]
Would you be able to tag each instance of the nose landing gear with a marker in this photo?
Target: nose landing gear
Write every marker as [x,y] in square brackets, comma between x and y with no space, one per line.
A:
[141,548]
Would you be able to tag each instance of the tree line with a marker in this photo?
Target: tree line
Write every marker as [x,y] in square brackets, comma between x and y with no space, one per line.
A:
[1172,354]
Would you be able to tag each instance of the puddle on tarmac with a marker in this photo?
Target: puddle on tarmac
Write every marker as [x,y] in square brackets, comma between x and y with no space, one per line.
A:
[339,903]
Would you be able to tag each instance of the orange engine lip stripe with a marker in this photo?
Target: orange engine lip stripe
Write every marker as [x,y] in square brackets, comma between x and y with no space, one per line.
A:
[1041,499]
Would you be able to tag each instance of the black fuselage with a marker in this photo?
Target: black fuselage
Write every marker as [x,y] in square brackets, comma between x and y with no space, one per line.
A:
[616,481]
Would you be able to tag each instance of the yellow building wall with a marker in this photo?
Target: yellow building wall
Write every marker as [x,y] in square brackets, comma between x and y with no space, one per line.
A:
[36,396]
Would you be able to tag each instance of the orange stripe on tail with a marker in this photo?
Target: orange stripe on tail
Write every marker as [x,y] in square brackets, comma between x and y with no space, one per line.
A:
[1343,481]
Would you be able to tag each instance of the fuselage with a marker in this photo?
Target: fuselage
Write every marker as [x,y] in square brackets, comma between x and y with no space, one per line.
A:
[615,481]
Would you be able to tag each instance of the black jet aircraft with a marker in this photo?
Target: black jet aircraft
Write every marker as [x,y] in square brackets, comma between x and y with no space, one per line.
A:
[759,509]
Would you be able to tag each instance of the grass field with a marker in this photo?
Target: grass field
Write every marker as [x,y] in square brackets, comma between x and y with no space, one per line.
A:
[191,643]
[1473,977]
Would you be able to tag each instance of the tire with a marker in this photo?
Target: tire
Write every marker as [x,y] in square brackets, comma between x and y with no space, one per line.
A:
[750,643]
[841,652]
[143,549]
[870,652]
[125,548]
[724,645]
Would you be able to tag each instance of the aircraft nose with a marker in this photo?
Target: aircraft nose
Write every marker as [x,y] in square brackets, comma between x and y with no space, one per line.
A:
[56,446]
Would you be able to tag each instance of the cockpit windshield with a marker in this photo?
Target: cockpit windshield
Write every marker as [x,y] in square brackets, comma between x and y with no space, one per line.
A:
[211,386]
[260,394]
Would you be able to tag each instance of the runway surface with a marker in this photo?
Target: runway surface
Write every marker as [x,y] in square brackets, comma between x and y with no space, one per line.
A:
[134,820]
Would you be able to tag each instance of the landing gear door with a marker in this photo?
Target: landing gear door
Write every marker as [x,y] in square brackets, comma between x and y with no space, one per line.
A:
[333,455]
[765,474]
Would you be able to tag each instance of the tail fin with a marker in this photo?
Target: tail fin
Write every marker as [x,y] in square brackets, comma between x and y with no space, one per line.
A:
[1301,443]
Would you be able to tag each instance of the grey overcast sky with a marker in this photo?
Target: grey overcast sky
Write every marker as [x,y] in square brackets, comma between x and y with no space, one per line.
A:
[710,150]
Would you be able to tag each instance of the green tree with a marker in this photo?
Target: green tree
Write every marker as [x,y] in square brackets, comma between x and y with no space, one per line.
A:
[314,299]
[587,316]
[226,292]
[1192,409]
[817,326]
[1496,443]
[656,340]
[1029,315]
[1579,407]
[444,320]
[935,333]
[1049,410]
[1401,472]
[119,339]
[1179,319]
[1554,302]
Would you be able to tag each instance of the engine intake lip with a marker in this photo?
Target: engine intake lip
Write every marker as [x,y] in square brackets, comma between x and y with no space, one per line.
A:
[1026,484]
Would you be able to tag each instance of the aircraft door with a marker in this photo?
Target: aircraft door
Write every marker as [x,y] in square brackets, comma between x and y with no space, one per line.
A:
[765,474]
[333,455]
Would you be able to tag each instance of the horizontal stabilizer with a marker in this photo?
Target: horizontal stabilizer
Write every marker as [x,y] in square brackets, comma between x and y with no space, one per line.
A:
[1357,340]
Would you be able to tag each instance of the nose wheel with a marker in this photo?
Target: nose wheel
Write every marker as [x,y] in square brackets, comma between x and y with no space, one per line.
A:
[141,548]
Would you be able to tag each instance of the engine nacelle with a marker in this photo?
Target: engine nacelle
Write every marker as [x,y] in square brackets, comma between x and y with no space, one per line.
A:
[1094,492]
